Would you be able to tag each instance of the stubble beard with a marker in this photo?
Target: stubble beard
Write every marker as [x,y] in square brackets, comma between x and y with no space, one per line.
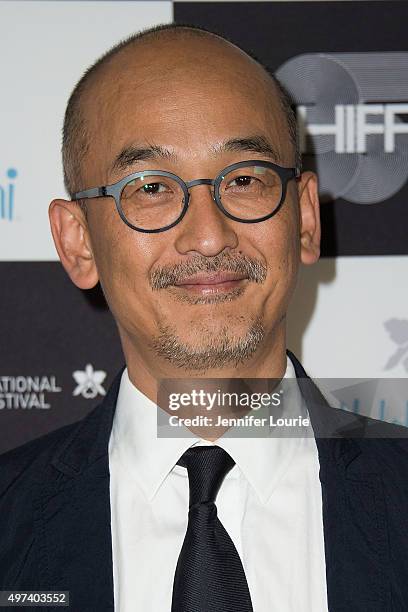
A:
[216,350]
[216,347]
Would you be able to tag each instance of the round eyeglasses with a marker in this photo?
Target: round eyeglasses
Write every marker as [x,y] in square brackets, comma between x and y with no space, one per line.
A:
[153,201]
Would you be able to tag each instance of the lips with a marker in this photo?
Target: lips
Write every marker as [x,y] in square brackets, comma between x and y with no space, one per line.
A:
[205,279]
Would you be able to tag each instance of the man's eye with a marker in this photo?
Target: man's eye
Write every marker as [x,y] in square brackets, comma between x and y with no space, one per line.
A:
[242,181]
[153,188]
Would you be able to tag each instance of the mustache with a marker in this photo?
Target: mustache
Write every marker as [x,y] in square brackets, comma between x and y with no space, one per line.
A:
[166,276]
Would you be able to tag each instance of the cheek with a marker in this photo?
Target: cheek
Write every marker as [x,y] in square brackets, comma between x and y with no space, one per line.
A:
[123,258]
[279,238]
[280,246]
[289,260]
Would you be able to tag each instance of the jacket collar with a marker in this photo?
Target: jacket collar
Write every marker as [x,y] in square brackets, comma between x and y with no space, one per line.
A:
[358,563]
[89,441]
[335,429]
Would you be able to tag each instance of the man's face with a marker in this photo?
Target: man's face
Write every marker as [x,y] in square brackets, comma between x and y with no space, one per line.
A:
[189,98]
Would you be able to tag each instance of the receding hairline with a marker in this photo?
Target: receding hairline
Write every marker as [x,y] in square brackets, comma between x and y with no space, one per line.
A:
[76,132]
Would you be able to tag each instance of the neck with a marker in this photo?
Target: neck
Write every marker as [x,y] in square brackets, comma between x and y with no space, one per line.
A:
[147,372]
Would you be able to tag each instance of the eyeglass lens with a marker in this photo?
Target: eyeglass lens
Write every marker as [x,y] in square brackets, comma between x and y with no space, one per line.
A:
[247,193]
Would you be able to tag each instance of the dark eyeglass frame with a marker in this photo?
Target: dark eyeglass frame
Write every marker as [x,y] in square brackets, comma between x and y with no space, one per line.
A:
[115,190]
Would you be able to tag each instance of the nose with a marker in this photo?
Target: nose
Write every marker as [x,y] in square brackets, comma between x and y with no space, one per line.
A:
[204,230]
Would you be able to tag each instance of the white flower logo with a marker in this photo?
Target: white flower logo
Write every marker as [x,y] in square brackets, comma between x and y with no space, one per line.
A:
[89,382]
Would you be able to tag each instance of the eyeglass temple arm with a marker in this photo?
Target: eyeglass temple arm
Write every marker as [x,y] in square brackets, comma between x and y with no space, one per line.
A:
[96,192]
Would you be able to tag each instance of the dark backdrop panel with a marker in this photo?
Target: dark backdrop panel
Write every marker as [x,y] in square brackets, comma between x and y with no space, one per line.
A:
[49,330]
[278,31]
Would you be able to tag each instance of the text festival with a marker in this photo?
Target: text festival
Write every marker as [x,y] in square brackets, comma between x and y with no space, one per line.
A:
[26,391]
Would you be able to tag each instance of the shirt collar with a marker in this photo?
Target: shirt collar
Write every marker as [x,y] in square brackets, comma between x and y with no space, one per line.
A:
[149,459]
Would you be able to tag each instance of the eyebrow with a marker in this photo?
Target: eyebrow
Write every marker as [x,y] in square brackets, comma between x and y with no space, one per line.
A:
[135,153]
[256,144]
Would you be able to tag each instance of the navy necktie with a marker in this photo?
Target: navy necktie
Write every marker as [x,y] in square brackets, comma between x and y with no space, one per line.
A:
[209,574]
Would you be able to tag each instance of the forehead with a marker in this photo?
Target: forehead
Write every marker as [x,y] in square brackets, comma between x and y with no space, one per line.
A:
[187,95]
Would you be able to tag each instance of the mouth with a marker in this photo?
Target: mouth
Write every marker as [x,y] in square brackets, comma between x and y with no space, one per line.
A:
[212,283]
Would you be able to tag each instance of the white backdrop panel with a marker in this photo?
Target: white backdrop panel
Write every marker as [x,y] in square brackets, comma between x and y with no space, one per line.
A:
[45,47]
[352,313]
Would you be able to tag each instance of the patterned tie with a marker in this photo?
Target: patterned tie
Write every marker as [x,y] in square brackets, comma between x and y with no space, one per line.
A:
[209,574]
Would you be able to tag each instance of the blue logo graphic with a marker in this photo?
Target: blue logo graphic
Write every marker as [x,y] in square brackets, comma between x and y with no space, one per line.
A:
[7,195]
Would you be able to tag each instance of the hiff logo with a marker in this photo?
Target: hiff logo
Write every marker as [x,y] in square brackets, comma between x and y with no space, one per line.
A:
[89,382]
[7,195]
[352,111]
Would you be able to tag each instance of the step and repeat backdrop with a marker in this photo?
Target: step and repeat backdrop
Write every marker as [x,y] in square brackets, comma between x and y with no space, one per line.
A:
[345,65]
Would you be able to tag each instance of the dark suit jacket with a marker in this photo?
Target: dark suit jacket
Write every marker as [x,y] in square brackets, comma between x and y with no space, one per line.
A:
[55,509]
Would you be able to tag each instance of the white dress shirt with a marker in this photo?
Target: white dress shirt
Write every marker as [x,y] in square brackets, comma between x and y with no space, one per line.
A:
[270,503]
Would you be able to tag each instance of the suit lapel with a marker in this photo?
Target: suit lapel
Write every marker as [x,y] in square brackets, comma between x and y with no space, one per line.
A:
[353,506]
[356,544]
[73,514]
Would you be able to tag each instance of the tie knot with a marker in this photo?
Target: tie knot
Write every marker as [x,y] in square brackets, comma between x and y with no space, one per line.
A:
[207,467]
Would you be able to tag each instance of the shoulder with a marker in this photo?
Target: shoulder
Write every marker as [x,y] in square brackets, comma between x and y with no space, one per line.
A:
[25,462]
[387,444]
[31,463]
[373,435]
[28,464]
[383,445]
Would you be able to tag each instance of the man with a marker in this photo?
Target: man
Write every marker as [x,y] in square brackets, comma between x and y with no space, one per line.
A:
[198,275]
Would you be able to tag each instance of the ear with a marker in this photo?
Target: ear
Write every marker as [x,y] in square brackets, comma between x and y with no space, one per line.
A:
[71,237]
[310,231]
